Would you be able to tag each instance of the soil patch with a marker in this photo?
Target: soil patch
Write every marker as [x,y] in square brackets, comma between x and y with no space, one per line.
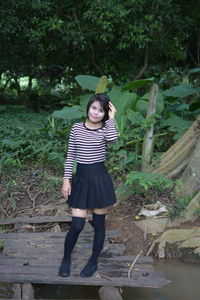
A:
[132,237]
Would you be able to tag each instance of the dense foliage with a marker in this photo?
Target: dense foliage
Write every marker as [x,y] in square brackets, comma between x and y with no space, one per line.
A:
[49,40]
[46,44]
[28,138]
[41,138]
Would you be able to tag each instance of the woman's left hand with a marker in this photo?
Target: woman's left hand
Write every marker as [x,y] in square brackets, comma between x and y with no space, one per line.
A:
[112,111]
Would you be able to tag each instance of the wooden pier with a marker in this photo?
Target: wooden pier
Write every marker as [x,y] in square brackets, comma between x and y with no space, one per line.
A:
[34,257]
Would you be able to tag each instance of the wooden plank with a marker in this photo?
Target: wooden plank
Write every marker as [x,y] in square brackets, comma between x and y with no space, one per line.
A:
[103,265]
[142,261]
[43,268]
[48,242]
[42,263]
[39,219]
[34,247]
[43,243]
[49,299]
[155,279]
[51,235]
[126,258]
[58,252]
[75,270]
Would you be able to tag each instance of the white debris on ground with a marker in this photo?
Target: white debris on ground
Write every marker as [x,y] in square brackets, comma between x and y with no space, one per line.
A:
[152,210]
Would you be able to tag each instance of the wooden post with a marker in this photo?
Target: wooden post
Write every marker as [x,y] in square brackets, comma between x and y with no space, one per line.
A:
[17,291]
[147,147]
[27,291]
[109,293]
[23,291]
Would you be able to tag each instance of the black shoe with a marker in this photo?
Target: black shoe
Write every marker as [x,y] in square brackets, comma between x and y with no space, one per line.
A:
[64,269]
[88,270]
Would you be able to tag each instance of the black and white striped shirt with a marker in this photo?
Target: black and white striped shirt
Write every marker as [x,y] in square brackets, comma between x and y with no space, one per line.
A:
[88,146]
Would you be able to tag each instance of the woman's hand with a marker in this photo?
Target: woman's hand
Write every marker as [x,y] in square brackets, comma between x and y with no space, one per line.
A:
[66,188]
[112,111]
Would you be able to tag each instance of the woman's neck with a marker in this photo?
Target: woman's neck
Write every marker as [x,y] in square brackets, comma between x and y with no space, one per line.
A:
[92,125]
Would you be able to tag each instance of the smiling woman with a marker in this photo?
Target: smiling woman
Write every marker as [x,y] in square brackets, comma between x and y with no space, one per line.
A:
[98,106]
[96,113]
[92,187]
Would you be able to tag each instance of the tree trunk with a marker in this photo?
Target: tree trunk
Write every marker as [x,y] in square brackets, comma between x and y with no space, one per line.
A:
[175,160]
[190,178]
[29,87]
[183,159]
[17,86]
[192,206]
[147,148]
[145,66]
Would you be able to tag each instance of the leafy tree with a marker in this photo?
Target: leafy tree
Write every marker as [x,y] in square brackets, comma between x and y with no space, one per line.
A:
[54,39]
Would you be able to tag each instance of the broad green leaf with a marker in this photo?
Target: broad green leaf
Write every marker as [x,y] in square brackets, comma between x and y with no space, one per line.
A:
[135,116]
[132,156]
[87,82]
[69,113]
[123,101]
[84,99]
[181,91]
[175,121]
[141,106]
[182,106]
[137,83]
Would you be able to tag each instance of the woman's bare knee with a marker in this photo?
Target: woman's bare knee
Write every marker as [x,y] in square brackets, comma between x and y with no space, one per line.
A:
[100,211]
[77,212]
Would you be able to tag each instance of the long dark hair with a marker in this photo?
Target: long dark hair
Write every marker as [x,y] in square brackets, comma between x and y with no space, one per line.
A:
[104,102]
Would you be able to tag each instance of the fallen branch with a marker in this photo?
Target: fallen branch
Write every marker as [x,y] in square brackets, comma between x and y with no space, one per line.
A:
[4,211]
[152,246]
[133,263]
[33,199]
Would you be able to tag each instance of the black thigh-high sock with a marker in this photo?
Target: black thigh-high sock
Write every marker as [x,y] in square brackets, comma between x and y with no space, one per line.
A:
[98,223]
[70,241]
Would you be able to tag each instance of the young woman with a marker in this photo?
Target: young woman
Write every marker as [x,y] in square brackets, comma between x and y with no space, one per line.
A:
[92,187]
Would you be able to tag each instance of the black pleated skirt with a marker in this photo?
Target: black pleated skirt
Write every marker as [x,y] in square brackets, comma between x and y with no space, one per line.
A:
[92,187]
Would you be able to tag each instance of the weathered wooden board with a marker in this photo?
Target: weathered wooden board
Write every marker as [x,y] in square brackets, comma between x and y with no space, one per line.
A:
[49,299]
[155,279]
[142,261]
[108,269]
[54,235]
[35,258]
[38,219]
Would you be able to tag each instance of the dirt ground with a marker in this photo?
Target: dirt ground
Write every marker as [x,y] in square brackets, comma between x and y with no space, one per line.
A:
[132,237]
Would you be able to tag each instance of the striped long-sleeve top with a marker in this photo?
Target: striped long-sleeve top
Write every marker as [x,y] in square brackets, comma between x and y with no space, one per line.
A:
[88,146]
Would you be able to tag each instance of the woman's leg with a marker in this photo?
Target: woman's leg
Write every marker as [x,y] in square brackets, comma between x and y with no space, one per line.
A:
[78,222]
[98,222]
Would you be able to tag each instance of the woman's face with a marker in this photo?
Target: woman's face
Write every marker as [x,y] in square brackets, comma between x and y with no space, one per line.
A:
[96,112]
